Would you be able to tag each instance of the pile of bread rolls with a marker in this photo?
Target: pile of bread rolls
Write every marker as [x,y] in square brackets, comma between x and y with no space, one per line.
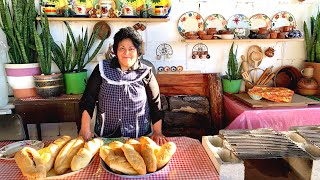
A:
[61,155]
[137,157]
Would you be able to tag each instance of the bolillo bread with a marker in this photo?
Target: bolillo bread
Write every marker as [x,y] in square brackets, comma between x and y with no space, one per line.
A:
[118,164]
[85,154]
[134,158]
[165,153]
[64,158]
[49,154]
[116,146]
[149,157]
[136,144]
[147,140]
[30,163]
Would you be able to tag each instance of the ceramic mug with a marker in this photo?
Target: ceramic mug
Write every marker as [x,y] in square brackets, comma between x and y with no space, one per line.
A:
[128,11]
[81,10]
[50,10]
[159,11]
[105,7]
[307,71]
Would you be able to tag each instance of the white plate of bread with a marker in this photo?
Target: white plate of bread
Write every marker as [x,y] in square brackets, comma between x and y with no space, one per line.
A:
[136,158]
[7,152]
[62,158]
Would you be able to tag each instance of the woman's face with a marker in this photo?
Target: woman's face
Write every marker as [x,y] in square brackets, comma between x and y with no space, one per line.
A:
[127,54]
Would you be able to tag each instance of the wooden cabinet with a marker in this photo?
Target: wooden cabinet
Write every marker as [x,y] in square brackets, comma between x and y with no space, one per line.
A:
[37,111]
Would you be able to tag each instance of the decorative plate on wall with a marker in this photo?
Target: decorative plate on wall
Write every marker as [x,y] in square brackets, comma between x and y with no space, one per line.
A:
[215,21]
[238,21]
[260,20]
[283,18]
[190,21]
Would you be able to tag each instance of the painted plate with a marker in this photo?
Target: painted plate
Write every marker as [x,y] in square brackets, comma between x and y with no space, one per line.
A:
[190,21]
[215,21]
[238,21]
[260,20]
[7,152]
[107,168]
[283,18]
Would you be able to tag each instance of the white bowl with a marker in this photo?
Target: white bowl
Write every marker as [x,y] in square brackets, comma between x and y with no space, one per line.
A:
[255,97]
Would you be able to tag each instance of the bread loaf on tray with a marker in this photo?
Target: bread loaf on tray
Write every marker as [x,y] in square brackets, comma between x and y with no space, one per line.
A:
[165,153]
[30,163]
[149,157]
[64,158]
[134,158]
[49,154]
[85,154]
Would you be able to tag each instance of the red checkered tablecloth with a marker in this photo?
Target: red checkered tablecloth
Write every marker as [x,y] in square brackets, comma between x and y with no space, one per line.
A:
[189,162]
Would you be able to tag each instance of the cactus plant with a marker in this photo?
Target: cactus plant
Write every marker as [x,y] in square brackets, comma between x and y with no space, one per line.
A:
[313,39]
[234,71]
[17,24]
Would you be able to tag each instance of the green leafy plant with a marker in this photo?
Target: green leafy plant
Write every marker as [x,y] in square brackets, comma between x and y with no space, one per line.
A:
[313,39]
[43,46]
[76,54]
[17,24]
[234,71]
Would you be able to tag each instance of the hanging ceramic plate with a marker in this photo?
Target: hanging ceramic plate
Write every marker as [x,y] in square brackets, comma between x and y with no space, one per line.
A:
[215,21]
[238,21]
[260,20]
[283,18]
[190,21]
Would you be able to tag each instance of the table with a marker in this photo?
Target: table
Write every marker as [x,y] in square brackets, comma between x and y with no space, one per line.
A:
[241,116]
[37,110]
[189,162]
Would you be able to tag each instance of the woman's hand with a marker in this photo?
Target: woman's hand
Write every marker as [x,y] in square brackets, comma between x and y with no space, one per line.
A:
[159,138]
[85,133]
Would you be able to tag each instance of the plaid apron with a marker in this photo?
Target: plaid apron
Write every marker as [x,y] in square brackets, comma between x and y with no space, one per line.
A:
[123,108]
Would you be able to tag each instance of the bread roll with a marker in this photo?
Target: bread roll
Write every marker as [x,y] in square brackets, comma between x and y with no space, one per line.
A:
[116,146]
[85,154]
[134,158]
[147,140]
[136,144]
[49,154]
[118,164]
[64,158]
[149,157]
[165,153]
[30,163]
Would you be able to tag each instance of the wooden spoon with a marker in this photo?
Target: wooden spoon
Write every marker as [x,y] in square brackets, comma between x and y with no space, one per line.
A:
[245,65]
[256,56]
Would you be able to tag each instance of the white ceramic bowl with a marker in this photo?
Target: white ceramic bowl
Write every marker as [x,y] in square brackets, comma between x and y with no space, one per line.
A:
[255,97]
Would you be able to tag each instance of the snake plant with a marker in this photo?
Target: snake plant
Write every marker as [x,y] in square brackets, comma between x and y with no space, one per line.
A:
[234,71]
[313,39]
[43,46]
[17,24]
[76,54]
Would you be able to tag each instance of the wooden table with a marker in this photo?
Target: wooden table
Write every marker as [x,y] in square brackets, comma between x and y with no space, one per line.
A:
[37,110]
[189,162]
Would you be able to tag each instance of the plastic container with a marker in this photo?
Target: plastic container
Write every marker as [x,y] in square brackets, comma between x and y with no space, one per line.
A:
[3,82]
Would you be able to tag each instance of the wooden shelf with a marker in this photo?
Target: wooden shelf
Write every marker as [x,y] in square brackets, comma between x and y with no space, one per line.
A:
[242,40]
[108,19]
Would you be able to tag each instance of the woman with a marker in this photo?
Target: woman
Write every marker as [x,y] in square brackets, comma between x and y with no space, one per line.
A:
[127,93]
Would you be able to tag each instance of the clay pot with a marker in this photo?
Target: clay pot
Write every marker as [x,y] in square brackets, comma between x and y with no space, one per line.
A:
[205,37]
[287,28]
[273,35]
[282,35]
[190,33]
[307,83]
[202,33]
[263,31]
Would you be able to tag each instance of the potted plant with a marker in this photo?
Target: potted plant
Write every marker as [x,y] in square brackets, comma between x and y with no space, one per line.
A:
[47,84]
[312,40]
[17,23]
[72,59]
[231,82]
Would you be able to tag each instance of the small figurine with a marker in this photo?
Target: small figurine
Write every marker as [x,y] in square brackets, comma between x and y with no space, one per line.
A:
[111,13]
[269,52]
[93,13]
